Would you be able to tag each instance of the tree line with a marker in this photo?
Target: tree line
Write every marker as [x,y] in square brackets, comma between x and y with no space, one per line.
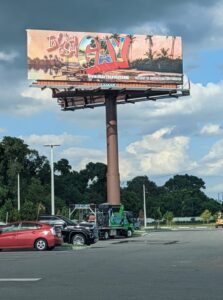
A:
[182,195]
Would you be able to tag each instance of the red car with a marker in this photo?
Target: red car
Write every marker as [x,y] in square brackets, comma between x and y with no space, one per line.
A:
[27,234]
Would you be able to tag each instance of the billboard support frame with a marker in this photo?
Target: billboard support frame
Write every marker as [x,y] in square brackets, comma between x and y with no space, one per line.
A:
[89,70]
[113,177]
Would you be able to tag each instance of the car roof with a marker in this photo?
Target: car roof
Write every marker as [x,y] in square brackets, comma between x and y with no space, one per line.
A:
[31,222]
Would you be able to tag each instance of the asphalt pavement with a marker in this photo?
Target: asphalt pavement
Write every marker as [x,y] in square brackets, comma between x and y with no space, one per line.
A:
[172,265]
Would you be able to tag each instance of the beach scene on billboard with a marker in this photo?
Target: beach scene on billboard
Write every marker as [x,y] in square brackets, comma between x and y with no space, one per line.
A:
[103,57]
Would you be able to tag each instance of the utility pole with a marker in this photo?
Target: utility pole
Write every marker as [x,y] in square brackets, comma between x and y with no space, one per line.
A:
[18,192]
[52,177]
[144,205]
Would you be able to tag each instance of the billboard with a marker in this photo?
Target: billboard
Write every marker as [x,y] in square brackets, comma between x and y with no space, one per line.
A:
[87,58]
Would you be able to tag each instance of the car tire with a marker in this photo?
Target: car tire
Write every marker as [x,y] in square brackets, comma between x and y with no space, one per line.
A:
[106,235]
[78,240]
[41,245]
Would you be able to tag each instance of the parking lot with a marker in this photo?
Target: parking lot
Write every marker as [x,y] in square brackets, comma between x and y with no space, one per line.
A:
[160,265]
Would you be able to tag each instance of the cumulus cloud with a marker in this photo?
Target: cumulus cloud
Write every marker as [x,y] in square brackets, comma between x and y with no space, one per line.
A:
[211,129]
[80,157]
[36,100]
[184,114]
[157,154]
[64,139]
[215,152]
[22,100]
[8,57]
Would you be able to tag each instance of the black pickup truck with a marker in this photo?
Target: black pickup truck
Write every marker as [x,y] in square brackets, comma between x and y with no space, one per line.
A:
[72,232]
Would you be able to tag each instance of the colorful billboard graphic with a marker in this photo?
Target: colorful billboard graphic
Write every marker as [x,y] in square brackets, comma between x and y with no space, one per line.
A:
[104,58]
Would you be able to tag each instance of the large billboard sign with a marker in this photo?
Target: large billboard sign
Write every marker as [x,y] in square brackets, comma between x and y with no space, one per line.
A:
[103,58]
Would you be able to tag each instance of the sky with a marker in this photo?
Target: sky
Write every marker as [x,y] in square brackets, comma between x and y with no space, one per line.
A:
[158,139]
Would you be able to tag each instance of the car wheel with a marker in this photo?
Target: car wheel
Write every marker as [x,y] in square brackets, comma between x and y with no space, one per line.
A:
[41,245]
[129,233]
[106,235]
[78,240]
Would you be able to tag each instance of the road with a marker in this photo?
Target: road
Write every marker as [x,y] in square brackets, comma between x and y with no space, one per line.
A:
[161,265]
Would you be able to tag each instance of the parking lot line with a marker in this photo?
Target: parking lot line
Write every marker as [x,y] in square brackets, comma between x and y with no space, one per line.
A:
[19,279]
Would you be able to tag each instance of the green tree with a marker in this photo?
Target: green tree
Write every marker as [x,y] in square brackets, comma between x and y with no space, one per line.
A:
[63,167]
[94,178]
[28,211]
[152,192]
[184,182]
[168,217]
[8,212]
[206,215]
[130,201]
[157,215]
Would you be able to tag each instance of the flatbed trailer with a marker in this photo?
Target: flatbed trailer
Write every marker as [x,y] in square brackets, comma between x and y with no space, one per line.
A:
[111,220]
[108,232]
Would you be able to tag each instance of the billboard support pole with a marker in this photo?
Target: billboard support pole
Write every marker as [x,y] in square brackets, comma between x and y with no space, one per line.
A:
[113,178]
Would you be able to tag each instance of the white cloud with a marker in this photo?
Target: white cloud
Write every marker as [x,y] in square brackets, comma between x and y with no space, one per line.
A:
[157,154]
[211,164]
[2,130]
[215,153]
[80,157]
[211,129]
[211,168]
[36,100]
[23,100]
[184,114]
[37,93]
[65,139]
[8,57]
[149,28]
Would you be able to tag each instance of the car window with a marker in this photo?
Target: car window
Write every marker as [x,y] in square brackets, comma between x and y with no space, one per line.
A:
[44,218]
[26,226]
[47,218]
[12,227]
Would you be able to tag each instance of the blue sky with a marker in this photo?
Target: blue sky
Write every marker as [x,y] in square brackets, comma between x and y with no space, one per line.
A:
[157,139]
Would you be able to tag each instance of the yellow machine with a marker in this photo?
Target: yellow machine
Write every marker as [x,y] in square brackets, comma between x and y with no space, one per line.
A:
[219,221]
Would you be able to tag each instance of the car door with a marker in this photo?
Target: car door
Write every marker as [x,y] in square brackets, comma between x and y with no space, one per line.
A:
[27,234]
[8,236]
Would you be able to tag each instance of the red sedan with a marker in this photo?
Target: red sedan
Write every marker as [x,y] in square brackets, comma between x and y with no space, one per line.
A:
[27,234]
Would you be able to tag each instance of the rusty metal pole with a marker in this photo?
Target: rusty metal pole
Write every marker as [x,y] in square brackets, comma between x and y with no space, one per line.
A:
[113,178]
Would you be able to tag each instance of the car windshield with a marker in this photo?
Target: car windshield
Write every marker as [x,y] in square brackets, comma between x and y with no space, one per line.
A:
[68,221]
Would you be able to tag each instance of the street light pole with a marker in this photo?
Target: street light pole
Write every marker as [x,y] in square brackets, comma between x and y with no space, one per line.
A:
[144,205]
[52,177]
[18,192]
